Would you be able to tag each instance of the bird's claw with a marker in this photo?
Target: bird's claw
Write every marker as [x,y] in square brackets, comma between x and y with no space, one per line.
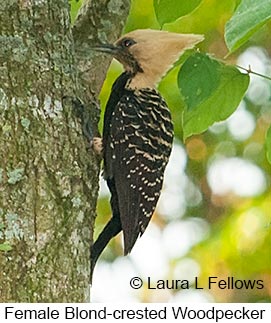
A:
[97,145]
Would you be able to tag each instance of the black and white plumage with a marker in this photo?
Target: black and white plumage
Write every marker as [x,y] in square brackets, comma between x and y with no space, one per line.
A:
[137,145]
[138,132]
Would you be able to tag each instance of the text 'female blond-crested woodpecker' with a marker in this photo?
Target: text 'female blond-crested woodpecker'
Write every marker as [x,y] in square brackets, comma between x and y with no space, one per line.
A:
[138,131]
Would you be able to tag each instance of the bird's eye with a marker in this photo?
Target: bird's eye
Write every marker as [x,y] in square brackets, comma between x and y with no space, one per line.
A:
[127,42]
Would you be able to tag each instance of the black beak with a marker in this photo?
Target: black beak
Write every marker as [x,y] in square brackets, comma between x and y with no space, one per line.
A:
[106,48]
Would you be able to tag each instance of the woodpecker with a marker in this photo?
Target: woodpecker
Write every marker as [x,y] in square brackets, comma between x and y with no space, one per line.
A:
[138,131]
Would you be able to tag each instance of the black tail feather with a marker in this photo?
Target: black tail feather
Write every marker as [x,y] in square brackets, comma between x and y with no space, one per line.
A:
[112,228]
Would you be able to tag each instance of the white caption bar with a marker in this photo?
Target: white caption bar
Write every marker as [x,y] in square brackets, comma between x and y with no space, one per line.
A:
[162,312]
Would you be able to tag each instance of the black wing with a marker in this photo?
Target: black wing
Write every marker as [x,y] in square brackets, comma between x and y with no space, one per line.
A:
[138,147]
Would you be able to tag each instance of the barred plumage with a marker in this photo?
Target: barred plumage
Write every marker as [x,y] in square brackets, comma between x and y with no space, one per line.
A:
[138,132]
[137,146]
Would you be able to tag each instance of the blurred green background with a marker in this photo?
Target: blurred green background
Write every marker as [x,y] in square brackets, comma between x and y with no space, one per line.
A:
[214,217]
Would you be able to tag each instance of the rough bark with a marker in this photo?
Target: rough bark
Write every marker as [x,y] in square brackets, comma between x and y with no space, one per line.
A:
[48,177]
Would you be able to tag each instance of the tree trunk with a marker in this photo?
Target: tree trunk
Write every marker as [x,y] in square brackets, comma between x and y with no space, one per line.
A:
[48,174]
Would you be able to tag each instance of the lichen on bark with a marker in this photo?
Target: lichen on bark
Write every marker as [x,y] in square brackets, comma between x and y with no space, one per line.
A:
[48,176]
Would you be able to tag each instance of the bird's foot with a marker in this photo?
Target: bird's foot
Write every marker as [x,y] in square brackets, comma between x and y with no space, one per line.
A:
[97,145]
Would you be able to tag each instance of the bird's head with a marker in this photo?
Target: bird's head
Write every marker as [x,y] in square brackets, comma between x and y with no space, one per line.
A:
[148,54]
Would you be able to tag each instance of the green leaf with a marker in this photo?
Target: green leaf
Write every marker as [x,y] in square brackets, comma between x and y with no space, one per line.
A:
[268,145]
[249,16]
[74,8]
[211,91]
[193,84]
[5,247]
[168,11]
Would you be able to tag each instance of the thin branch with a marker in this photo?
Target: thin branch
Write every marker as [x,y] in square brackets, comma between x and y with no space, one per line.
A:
[249,71]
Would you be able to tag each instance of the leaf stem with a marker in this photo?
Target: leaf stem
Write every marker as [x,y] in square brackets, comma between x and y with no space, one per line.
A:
[249,71]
